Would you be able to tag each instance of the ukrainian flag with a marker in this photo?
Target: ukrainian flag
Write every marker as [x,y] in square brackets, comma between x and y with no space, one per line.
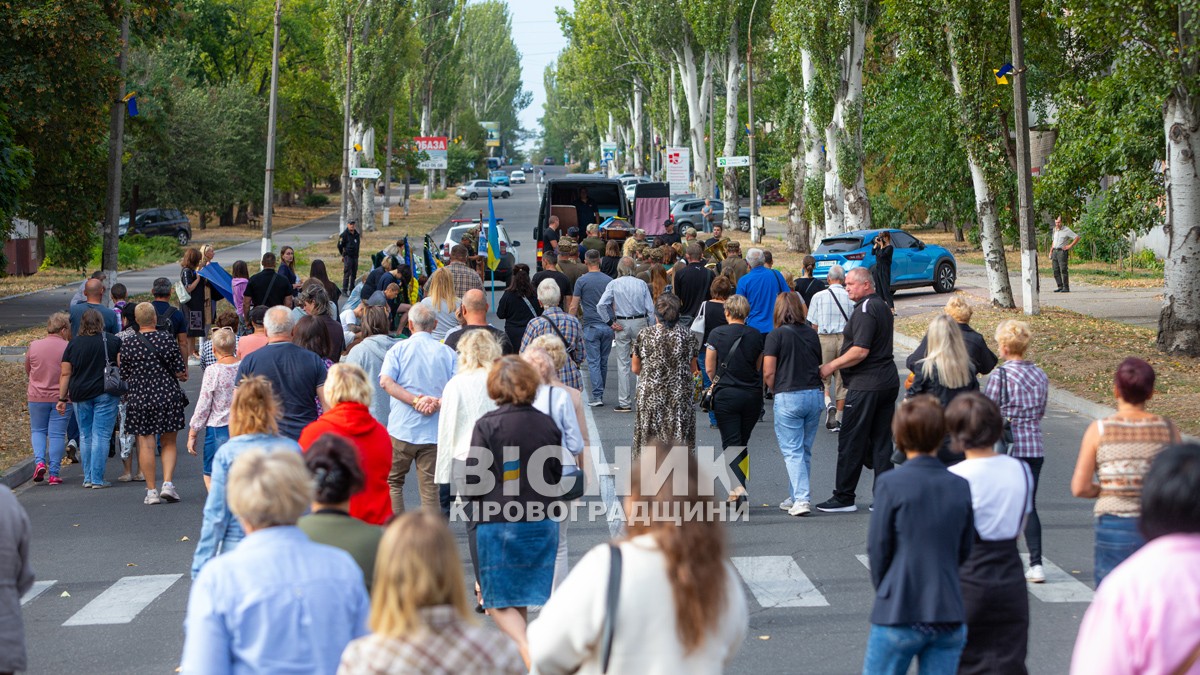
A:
[512,470]
[493,237]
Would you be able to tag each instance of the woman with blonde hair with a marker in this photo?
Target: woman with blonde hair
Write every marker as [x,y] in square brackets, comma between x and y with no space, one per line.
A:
[420,619]
[733,359]
[441,299]
[464,400]
[211,416]
[47,426]
[945,372]
[348,392]
[676,584]
[253,425]
[279,603]
[1021,389]
[558,352]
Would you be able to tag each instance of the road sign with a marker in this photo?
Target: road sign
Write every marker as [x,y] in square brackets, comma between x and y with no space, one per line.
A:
[362,172]
[435,148]
[678,174]
[608,151]
[739,160]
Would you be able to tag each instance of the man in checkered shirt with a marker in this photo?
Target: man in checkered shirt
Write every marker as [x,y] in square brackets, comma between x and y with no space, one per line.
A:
[464,277]
[554,321]
[828,314]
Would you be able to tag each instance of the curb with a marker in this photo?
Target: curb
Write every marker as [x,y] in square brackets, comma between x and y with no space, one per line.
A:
[20,473]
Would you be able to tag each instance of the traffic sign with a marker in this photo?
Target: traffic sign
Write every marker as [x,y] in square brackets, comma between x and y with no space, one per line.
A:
[738,160]
[363,172]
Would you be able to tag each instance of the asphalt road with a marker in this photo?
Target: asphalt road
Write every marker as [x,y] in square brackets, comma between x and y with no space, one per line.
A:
[113,573]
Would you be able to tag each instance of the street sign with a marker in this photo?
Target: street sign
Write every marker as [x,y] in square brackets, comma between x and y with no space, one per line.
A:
[676,163]
[739,160]
[362,172]
[608,151]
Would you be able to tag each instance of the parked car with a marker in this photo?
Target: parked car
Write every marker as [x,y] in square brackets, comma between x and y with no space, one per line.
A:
[527,167]
[744,219]
[630,183]
[914,263]
[460,227]
[517,176]
[499,178]
[479,188]
[686,213]
[549,161]
[158,223]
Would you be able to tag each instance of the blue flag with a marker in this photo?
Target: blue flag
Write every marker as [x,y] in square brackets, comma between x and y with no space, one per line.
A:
[220,280]
[493,237]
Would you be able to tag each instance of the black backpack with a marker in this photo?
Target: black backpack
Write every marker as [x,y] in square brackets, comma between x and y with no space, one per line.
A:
[164,321]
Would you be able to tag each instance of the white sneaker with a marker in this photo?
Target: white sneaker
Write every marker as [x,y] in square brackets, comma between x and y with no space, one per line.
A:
[152,497]
[1036,575]
[800,509]
[786,504]
[168,493]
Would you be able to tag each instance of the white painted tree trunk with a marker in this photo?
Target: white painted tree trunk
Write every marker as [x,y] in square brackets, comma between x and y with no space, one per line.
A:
[1179,322]
[814,156]
[798,227]
[365,136]
[354,208]
[426,128]
[733,78]
[639,125]
[835,222]
[999,285]
[697,86]
[856,207]
[676,129]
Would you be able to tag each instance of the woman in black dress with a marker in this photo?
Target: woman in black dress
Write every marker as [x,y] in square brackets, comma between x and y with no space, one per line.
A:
[806,285]
[193,309]
[317,271]
[881,273]
[152,366]
[519,304]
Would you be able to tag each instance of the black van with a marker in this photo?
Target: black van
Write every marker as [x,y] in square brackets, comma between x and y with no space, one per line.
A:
[561,195]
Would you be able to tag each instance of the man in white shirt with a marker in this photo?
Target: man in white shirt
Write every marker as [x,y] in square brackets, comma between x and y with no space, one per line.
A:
[627,307]
[828,314]
[1064,239]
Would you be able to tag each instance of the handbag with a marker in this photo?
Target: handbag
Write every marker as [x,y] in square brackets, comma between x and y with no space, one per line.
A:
[611,604]
[1004,445]
[113,384]
[181,291]
[698,322]
[706,399]
[166,366]
[578,479]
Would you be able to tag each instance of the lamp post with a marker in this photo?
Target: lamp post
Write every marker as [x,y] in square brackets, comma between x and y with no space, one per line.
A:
[346,122]
[269,181]
[756,228]
[1029,268]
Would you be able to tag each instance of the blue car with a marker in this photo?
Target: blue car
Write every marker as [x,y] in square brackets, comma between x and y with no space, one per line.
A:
[499,178]
[914,263]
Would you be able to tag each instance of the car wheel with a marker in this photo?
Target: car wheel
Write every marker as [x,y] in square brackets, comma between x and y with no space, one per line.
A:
[744,224]
[944,277]
[183,237]
[474,195]
[505,194]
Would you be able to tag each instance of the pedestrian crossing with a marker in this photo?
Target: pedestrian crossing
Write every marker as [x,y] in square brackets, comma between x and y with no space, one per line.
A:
[775,582]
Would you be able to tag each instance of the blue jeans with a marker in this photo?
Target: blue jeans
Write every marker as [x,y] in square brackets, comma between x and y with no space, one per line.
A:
[890,649]
[48,433]
[214,438]
[704,382]
[97,418]
[1117,538]
[598,340]
[797,414]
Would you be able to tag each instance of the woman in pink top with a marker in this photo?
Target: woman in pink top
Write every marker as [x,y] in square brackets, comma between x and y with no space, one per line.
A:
[47,427]
[241,277]
[248,344]
[211,416]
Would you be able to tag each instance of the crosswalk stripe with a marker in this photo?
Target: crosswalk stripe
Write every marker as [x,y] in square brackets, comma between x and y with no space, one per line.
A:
[1059,586]
[777,581]
[37,589]
[122,601]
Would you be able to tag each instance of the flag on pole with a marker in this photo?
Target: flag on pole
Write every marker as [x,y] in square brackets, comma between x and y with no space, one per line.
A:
[493,237]
[433,263]
[408,259]
[1002,72]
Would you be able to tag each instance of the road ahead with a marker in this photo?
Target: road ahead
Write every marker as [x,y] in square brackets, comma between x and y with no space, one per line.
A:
[113,573]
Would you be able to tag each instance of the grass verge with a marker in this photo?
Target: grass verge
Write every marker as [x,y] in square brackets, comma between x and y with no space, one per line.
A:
[1080,353]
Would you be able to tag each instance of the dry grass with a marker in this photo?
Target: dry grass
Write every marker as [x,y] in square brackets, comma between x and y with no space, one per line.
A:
[14,428]
[218,237]
[1079,353]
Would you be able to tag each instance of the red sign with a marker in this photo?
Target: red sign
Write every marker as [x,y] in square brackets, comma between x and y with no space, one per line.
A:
[430,143]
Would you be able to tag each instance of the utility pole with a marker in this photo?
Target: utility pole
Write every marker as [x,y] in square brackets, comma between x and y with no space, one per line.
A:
[1029,268]
[269,182]
[346,123]
[387,169]
[712,143]
[756,228]
[116,133]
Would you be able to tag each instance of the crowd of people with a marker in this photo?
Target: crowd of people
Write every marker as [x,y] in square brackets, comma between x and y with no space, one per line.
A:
[317,401]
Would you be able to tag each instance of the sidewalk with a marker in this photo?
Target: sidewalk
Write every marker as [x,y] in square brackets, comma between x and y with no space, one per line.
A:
[25,311]
[1134,306]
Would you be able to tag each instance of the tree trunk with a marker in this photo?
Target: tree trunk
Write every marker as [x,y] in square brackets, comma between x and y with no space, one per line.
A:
[849,116]
[733,78]
[366,191]
[696,89]
[241,218]
[1179,322]
[639,125]
[798,233]
[204,219]
[426,126]
[835,222]
[676,122]
[226,217]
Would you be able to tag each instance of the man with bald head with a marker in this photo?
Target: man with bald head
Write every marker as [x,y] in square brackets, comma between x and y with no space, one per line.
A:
[872,384]
[93,298]
[297,376]
[473,316]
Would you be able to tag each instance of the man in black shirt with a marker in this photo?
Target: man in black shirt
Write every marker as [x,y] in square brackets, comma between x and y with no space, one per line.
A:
[474,317]
[692,282]
[585,209]
[549,271]
[170,319]
[872,385]
[551,235]
[347,247]
[267,287]
[669,237]
[718,233]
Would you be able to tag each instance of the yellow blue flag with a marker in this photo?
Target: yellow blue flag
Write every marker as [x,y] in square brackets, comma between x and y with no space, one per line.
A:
[493,237]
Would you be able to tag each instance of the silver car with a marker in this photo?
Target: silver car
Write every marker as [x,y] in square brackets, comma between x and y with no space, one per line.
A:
[686,213]
[475,189]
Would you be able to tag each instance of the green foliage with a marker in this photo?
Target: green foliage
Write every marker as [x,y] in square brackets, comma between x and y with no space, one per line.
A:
[814,200]
[315,199]
[16,173]
[491,69]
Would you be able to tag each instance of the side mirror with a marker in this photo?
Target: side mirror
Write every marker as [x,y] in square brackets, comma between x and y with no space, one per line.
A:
[514,243]
[920,245]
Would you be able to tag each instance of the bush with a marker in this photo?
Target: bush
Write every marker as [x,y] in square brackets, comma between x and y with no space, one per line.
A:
[439,194]
[56,254]
[315,200]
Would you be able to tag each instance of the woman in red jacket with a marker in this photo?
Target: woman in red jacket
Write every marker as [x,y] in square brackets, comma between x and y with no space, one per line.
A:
[349,396]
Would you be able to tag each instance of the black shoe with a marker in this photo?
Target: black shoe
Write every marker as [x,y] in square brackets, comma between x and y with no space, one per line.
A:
[831,420]
[1066,290]
[834,506]
[623,409]
[1058,290]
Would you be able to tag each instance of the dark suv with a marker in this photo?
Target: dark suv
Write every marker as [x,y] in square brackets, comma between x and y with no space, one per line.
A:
[158,223]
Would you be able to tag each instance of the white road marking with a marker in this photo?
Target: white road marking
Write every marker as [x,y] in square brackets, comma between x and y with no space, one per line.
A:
[864,559]
[606,483]
[777,581]
[37,589]
[122,601]
[1059,586]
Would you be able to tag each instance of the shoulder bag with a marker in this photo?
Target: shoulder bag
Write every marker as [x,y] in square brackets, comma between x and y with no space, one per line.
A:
[1004,445]
[566,343]
[698,322]
[181,291]
[706,398]
[611,605]
[575,491]
[162,360]
[113,384]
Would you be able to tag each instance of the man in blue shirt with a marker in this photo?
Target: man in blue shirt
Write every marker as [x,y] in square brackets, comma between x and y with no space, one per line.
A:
[93,294]
[415,371]
[760,286]
[597,336]
[297,375]
[170,319]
